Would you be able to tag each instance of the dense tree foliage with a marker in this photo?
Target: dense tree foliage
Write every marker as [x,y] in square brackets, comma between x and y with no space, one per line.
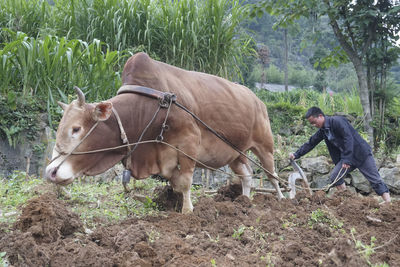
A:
[362,28]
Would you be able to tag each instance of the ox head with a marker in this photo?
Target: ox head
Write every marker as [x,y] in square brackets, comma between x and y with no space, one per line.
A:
[78,119]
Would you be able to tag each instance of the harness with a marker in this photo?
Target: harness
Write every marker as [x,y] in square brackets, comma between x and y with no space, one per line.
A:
[165,100]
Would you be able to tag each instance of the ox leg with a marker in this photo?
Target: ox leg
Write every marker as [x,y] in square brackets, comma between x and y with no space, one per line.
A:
[275,183]
[181,179]
[243,170]
[267,161]
[181,182]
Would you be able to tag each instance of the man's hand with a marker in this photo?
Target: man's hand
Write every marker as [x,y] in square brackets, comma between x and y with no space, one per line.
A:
[291,156]
[345,166]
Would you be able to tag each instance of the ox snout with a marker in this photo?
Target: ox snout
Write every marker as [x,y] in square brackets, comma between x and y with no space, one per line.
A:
[51,174]
[61,175]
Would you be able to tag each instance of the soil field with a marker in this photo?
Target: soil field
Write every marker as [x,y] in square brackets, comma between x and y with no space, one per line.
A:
[226,229]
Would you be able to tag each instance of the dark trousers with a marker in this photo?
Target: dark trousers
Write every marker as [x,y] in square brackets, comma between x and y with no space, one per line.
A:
[368,169]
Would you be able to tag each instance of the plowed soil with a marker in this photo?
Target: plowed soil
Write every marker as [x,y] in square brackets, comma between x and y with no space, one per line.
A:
[226,229]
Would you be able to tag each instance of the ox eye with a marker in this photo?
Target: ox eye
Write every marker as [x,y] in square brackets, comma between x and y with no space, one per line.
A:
[75,129]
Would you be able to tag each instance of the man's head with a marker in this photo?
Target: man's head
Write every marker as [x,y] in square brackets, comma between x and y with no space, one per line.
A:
[316,117]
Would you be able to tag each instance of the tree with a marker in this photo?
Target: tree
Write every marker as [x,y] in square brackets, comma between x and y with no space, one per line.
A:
[320,81]
[357,25]
[286,60]
[263,54]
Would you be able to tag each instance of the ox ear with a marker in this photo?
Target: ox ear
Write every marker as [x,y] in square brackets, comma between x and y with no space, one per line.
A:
[102,111]
[62,105]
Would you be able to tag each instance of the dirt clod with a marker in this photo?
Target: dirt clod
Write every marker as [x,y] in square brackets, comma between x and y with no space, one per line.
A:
[48,219]
[168,200]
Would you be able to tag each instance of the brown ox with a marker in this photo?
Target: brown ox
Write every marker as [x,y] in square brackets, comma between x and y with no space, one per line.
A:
[230,109]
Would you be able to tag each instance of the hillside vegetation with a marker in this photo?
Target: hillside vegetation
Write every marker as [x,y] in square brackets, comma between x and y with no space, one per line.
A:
[45,51]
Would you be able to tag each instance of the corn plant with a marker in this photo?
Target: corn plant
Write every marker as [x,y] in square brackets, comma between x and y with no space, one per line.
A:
[99,34]
[30,17]
[49,68]
[196,35]
[119,23]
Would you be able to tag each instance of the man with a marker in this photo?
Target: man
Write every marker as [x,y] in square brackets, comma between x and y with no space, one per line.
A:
[347,148]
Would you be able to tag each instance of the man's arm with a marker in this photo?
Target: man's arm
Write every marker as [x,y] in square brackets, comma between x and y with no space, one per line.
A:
[307,147]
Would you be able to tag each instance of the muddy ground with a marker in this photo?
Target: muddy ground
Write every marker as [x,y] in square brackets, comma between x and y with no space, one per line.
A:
[224,230]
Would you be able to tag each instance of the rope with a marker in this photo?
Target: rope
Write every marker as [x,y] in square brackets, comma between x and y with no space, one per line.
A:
[124,137]
[164,143]
[175,148]
[141,136]
[325,188]
[159,139]
[230,144]
[70,153]
[338,177]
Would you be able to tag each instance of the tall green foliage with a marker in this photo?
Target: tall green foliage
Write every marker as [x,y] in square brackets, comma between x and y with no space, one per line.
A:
[330,103]
[119,23]
[27,16]
[195,35]
[46,49]
[200,36]
[49,68]
[37,67]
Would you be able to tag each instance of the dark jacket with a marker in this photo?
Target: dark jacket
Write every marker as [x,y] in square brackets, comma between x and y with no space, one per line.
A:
[343,142]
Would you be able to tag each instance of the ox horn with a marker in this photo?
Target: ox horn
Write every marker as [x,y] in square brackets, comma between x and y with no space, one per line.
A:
[81,96]
[62,105]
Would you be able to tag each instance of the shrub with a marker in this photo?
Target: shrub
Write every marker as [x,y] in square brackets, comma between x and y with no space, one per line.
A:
[284,114]
[256,74]
[274,75]
[19,119]
[300,77]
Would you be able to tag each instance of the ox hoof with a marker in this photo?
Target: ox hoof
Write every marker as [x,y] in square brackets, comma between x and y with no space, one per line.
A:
[187,211]
[280,197]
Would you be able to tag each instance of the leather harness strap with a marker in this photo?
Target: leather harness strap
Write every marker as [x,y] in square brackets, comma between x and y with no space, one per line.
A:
[164,97]
[165,100]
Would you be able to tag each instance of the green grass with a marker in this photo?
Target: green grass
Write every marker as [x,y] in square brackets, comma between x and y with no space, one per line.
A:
[320,216]
[108,203]
[366,250]
[3,259]
[94,202]
[14,192]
